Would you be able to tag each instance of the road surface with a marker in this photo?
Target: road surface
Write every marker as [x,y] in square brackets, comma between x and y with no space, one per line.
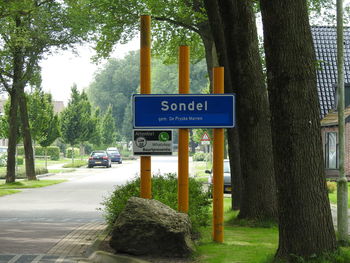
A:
[34,221]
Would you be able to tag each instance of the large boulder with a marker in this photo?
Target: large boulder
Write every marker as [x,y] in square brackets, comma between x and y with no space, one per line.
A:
[148,227]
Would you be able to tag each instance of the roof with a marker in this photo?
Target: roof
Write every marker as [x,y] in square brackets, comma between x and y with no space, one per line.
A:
[325,43]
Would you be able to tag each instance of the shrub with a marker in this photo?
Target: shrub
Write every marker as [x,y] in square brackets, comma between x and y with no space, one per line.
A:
[20,160]
[69,152]
[331,187]
[164,189]
[200,157]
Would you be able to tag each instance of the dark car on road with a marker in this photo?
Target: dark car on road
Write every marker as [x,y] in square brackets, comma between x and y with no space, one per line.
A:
[227,177]
[115,155]
[99,158]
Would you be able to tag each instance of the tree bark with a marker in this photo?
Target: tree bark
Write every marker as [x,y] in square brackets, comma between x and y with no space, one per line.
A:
[235,35]
[305,221]
[235,165]
[27,138]
[13,131]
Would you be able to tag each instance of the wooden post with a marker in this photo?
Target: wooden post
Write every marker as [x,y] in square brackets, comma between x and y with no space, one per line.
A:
[145,85]
[342,183]
[218,166]
[184,88]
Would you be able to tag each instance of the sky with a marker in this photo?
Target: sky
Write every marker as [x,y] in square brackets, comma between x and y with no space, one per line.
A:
[62,69]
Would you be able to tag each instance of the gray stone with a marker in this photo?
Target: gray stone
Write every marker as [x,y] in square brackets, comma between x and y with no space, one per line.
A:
[148,227]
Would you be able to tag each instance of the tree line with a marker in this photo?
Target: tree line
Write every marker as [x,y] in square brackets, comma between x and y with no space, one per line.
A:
[115,83]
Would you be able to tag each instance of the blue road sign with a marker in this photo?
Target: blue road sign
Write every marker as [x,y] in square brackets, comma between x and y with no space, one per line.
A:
[183,111]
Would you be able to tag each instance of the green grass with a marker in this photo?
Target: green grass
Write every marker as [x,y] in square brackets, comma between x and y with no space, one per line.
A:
[241,243]
[8,192]
[29,184]
[76,164]
[333,197]
[57,171]
[200,167]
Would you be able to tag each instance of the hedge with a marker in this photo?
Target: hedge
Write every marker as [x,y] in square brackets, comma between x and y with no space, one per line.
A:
[52,151]
[69,152]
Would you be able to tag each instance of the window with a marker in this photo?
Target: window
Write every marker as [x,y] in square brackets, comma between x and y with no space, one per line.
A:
[331,150]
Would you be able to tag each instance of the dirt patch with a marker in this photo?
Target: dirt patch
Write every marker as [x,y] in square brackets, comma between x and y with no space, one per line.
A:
[104,246]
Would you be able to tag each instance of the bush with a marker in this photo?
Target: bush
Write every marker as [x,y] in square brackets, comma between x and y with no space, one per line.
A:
[164,189]
[200,157]
[69,152]
[331,187]
[3,160]
[20,160]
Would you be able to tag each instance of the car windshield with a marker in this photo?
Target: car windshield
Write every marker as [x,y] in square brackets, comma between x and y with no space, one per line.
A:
[113,152]
[226,167]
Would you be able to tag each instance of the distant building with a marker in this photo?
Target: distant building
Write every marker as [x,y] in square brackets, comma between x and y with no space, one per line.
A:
[58,106]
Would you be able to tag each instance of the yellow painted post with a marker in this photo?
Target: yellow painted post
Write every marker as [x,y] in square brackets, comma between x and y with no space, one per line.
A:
[218,166]
[184,88]
[145,84]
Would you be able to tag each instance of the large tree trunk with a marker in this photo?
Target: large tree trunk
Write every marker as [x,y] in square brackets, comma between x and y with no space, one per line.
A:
[305,221]
[27,138]
[235,165]
[12,140]
[237,44]
[219,57]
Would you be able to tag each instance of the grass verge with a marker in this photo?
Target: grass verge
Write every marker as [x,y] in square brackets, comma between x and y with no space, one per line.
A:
[241,243]
[57,171]
[76,164]
[29,184]
[8,192]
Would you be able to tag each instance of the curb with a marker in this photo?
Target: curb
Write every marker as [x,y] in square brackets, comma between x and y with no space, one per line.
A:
[100,256]
[105,257]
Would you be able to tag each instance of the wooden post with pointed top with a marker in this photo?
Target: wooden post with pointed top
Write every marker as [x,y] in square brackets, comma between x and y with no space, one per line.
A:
[145,86]
[218,166]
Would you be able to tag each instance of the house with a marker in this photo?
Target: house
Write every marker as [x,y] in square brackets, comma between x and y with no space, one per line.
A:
[325,43]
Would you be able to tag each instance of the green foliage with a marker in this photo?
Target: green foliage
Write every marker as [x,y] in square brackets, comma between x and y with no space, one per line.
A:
[331,187]
[3,160]
[43,121]
[95,137]
[4,122]
[108,130]
[116,82]
[20,160]
[200,156]
[174,23]
[77,124]
[164,189]
[52,151]
[69,152]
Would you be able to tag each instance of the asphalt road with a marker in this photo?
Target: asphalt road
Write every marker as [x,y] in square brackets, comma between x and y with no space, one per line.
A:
[34,220]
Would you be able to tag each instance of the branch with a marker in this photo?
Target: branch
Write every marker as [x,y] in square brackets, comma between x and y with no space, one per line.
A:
[177,23]
[4,83]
